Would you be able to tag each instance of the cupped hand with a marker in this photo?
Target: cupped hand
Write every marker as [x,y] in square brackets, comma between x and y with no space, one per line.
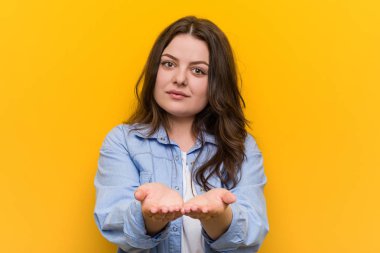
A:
[158,202]
[209,205]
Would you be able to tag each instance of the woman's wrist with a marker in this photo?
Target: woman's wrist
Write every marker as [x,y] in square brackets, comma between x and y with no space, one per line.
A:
[219,224]
[153,227]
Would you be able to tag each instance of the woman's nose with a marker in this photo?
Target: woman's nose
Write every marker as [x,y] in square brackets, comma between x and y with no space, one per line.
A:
[180,77]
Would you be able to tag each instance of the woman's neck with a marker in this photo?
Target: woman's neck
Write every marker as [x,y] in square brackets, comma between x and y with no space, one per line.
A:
[181,131]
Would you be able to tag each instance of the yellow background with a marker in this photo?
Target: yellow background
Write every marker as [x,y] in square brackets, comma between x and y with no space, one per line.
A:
[311,81]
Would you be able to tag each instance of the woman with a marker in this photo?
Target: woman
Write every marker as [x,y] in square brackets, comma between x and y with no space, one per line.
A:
[182,174]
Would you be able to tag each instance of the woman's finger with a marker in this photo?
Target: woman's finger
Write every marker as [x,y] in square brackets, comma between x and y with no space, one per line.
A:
[228,198]
[140,194]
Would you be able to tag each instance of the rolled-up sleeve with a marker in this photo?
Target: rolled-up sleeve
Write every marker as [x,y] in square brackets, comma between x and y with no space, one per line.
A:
[117,214]
[249,224]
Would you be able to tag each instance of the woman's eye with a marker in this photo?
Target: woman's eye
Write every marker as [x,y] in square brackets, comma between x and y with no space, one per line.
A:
[199,71]
[167,64]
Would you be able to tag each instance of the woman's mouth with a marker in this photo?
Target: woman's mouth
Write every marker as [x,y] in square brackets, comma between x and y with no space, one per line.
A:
[177,94]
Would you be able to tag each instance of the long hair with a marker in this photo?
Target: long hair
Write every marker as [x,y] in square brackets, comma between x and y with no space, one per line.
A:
[223,115]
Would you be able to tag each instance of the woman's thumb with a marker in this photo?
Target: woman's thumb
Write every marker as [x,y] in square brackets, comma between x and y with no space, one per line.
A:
[228,198]
[140,194]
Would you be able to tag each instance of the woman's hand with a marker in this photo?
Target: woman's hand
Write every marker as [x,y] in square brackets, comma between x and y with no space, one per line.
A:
[212,209]
[208,205]
[159,204]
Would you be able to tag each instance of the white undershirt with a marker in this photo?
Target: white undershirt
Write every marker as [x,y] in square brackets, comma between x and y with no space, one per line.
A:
[191,237]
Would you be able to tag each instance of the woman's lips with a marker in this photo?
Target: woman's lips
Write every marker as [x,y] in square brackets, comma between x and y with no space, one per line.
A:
[177,94]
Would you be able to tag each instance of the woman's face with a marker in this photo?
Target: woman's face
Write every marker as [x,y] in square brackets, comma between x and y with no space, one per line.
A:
[182,77]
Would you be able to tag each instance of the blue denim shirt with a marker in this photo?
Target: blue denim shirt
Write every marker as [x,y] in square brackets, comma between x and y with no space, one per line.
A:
[131,158]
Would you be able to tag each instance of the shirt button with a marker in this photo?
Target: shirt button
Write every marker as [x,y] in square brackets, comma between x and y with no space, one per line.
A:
[176,187]
[176,158]
[175,229]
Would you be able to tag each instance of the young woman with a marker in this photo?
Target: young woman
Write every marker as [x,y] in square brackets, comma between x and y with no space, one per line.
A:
[182,174]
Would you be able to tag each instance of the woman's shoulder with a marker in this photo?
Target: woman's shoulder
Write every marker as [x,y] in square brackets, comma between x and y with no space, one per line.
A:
[130,138]
[124,133]
[251,143]
[129,130]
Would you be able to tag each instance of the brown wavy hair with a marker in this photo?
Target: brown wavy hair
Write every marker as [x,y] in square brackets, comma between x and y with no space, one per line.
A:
[223,115]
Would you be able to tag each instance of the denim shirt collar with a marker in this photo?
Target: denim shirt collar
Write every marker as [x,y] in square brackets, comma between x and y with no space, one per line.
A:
[161,136]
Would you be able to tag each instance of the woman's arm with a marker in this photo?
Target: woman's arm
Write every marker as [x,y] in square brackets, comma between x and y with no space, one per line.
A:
[249,224]
[118,214]
[236,226]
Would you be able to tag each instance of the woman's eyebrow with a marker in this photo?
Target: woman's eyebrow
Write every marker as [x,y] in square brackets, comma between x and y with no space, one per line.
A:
[191,63]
